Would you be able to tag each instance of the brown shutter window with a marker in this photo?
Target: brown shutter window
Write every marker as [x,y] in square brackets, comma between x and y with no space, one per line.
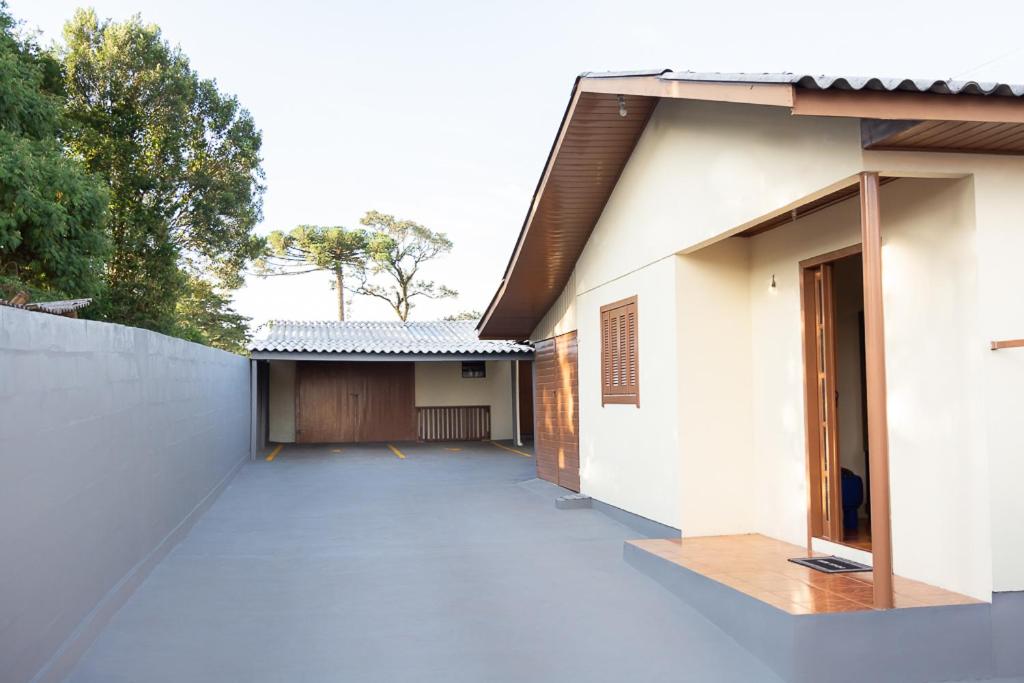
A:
[620,374]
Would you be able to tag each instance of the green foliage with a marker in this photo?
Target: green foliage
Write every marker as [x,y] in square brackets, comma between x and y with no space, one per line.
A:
[182,161]
[396,250]
[465,315]
[309,248]
[52,238]
[205,316]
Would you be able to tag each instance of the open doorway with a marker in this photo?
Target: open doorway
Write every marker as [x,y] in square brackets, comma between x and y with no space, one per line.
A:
[833,298]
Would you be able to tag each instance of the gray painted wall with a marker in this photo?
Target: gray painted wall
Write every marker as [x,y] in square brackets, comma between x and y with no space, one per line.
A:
[111,439]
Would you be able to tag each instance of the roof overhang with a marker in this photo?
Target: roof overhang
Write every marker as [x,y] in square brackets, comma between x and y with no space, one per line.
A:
[594,143]
[386,357]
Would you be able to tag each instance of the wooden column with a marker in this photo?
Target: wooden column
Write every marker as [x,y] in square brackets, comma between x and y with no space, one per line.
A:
[878,426]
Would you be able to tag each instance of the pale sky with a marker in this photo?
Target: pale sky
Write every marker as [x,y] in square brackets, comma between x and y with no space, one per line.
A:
[443,112]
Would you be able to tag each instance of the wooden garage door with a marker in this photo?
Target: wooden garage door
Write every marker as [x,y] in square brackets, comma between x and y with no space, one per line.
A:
[342,402]
[556,439]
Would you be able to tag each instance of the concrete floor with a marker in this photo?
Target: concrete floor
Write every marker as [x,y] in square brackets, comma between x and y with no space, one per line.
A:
[445,566]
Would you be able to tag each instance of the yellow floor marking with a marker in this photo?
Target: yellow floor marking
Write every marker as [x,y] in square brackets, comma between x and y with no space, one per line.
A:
[335,450]
[453,450]
[397,452]
[273,453]
[511,450]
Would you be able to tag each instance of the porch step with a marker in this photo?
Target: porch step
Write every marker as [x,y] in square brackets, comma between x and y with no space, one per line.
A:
[922,644]
[573,501]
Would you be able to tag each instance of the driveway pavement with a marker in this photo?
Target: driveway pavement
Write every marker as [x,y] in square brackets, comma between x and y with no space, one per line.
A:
[445,565]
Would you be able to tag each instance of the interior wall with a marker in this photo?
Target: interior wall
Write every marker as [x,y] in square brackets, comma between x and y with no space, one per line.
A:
[282,401]
[629,455]
[715,400]
[441,383]
[848,298]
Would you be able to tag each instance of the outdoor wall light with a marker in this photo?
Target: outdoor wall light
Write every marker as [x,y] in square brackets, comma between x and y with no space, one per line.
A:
[772,285]
[622,106]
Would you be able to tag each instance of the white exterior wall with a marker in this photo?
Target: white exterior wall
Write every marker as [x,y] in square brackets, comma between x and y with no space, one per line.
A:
[702,171]
[717,455]
[1000,315]
[441,384]
[629,454]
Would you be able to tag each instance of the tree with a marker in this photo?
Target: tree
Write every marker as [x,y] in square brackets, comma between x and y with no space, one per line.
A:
[465,315]
[205,316]
[52,237]
[396,250]
[182,161]
[310,248]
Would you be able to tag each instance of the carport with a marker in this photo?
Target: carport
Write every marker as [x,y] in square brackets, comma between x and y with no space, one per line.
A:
[366,381]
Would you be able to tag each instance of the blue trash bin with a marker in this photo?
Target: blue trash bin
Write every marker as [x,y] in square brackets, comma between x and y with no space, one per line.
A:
[853,497]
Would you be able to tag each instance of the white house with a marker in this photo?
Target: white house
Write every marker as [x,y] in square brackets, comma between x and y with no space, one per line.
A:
[747,284]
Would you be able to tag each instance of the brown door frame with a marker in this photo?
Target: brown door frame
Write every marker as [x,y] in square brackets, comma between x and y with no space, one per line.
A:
[824,507]
[875,380]
[823,422]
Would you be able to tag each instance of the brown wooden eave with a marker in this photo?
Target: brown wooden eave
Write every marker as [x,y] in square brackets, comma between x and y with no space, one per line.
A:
[593,145]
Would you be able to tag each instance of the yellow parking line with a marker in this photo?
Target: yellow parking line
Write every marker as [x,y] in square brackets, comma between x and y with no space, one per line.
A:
[397,452]
[274,453]
[511,450]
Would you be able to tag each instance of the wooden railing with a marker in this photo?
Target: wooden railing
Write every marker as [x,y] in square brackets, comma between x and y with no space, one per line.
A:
[453,423]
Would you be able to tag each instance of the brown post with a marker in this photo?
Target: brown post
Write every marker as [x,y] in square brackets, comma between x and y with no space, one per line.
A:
[878,426]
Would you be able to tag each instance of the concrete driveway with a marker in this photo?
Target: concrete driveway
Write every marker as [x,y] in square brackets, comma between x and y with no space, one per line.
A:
[445,565]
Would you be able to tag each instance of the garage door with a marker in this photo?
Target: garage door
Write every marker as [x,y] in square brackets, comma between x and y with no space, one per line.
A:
[342,402]
[556,437]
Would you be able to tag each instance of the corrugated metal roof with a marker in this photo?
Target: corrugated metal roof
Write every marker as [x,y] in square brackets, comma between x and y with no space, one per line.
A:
[359,336]
[59,307]
[54,307]
[942,86]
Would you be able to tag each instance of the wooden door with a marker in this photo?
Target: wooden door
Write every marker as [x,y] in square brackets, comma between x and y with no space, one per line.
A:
[346,402]
[827,422]
[556,386]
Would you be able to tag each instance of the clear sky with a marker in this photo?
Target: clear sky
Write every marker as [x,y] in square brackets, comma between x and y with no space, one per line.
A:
[443,112]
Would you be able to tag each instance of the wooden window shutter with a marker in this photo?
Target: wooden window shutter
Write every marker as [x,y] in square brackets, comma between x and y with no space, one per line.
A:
[620,372]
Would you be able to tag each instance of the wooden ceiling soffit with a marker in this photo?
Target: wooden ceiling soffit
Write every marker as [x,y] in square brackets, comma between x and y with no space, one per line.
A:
[971,137]
[592,148]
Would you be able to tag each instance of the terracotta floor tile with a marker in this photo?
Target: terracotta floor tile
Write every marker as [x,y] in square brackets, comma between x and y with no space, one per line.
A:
[759,566]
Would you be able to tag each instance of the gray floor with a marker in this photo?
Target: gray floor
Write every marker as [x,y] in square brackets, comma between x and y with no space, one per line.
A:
[444,566]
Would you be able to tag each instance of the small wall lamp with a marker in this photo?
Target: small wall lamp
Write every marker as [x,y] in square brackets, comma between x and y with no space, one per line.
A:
[772,285]
[622,106]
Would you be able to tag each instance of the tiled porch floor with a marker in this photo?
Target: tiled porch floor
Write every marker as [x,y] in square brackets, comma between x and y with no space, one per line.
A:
[757,566]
